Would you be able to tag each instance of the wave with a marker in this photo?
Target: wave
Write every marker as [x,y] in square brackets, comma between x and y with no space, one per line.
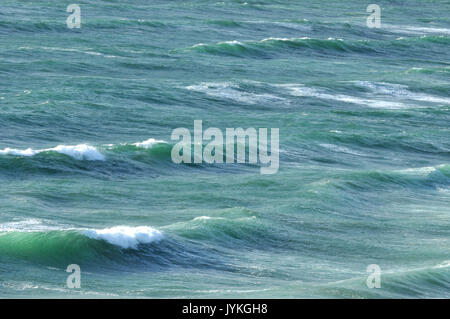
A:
[341,149]
[123,22]
[97,24]
[28,225]
[78,152]
[428,70]
[405,29]
[384,94]
[233,91]
[37,241]
[261,48]
[149,143]
[31,26]
[265,48]
[230,227]
[87,51]
[321,93]
[429,177]
[178,243]
[124,236]
[101,161]
[399,91]
[149,156]
[405,282]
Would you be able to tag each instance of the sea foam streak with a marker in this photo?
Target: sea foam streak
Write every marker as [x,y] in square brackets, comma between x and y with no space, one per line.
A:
[28,225]
[124,236]
[399,91]
[300,90]
[79,152]
[232,91]
[408,29]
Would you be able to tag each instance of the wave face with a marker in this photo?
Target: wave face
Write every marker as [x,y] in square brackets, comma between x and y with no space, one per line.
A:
[86,175]
[267,46]
[273,47]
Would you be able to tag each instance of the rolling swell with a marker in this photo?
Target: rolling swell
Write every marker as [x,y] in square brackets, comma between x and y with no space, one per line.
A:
[152,156]
[116,247]
[88,24]
[182,244]
[230,227]
[364,161]
[370,180]
[85,158]
[270,46]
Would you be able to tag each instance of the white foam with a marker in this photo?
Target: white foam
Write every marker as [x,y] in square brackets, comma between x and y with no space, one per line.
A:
[17,152]
[233,42]
[202,218]
[209,218]
[88,51]
[30,225]
[79,152]
[300,90]
[231,91]
[444,264]
[419,170]
[341,149]
[148,143]
[406,29]
[124,236]
[277,39]
[400,91]
[288,39]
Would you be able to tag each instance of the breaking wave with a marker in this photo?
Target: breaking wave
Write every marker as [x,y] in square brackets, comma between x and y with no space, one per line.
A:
[78,152]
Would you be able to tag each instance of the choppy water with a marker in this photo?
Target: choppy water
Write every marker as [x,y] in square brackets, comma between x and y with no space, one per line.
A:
[364,172]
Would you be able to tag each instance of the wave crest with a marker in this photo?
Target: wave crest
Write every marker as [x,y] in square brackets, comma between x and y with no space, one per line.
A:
[79,152]
[124,236]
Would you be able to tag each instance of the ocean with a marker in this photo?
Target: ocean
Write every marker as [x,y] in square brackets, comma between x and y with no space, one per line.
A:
[87,176]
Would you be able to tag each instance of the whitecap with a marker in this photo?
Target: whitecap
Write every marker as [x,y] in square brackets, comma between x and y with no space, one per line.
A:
[148,143]
[79,152]
[407,29]
[125,236]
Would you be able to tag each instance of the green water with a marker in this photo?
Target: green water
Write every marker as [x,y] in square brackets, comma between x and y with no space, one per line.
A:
[364,173]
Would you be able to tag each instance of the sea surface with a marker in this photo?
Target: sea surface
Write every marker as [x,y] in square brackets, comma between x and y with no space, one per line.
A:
[86,175]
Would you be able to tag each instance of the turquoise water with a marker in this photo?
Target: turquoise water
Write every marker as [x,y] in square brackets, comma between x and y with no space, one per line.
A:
[364,173]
